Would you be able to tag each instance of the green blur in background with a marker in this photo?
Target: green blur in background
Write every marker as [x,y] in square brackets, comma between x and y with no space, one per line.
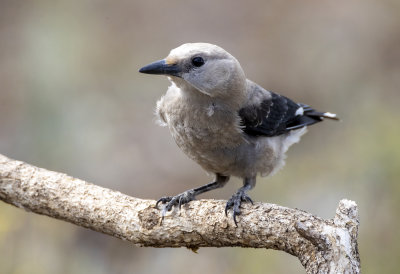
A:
[71,100]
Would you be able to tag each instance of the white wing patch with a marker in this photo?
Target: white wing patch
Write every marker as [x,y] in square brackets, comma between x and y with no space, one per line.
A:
[299,111]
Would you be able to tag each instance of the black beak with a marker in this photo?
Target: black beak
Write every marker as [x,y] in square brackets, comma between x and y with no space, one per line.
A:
[161,67]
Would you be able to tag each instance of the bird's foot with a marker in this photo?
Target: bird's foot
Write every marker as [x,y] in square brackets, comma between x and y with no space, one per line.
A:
[177,200]
[235,201]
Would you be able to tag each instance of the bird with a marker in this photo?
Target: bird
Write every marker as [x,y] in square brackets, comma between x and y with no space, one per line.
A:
[225,122]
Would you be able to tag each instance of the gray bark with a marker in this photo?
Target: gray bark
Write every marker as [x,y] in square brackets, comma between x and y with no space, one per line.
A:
[322,246]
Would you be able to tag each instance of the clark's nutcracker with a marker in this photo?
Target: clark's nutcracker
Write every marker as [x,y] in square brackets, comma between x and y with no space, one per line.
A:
[226,123]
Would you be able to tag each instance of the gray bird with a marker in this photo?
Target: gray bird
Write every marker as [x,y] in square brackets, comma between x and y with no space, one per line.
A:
[226,123]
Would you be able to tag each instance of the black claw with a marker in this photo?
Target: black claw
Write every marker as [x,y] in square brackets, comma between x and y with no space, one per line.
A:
[180,202]
[177,200]
[234,202]
[227,207]
[234,218]
[249,199]
[163,200]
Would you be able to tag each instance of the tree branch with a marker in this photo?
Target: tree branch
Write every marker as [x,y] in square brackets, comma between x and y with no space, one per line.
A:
[322,246]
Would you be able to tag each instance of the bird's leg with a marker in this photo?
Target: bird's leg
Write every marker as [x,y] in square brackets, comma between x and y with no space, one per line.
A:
[239,197]
[191,194]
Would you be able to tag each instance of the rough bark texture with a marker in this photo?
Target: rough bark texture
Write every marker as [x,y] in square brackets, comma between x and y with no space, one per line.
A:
[322,246]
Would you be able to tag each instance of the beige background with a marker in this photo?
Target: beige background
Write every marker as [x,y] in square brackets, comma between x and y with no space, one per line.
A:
[71,100]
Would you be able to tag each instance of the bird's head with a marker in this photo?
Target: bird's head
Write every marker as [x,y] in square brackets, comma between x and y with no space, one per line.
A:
[202,67]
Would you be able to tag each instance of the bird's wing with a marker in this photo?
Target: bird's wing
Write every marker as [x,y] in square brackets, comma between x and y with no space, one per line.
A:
[277,115]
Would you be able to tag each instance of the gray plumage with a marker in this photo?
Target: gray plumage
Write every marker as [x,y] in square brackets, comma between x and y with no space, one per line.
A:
[226,123]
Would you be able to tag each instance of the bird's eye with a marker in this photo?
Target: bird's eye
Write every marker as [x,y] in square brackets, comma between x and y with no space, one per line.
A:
[197,61]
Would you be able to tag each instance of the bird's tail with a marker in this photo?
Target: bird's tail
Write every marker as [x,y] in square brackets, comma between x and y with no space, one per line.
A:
[308,111]
[309,117]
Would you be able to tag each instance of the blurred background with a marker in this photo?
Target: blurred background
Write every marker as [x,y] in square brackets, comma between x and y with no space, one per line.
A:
[71,100]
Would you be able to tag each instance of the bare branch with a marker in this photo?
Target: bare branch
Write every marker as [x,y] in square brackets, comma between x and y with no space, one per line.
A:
[322,246]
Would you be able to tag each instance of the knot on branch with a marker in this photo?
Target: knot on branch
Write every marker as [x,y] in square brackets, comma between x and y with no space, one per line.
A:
[309,231]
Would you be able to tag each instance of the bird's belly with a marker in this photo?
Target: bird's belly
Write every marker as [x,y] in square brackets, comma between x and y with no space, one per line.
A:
[244,159]
[210,148]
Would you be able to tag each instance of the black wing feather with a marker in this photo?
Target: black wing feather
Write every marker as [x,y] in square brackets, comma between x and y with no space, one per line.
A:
[276,116]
